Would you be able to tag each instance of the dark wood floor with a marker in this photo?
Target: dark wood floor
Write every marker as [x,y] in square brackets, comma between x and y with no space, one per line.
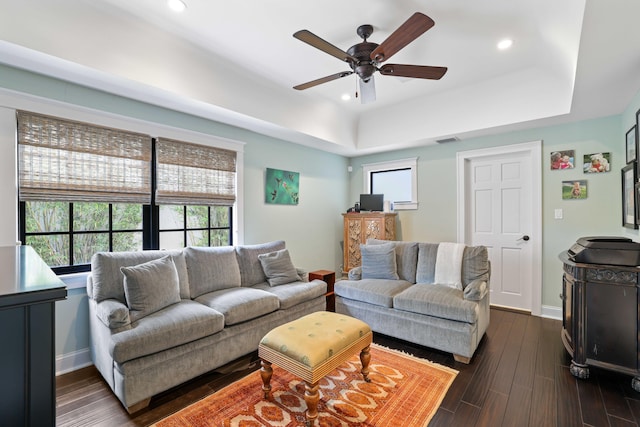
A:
[519,376]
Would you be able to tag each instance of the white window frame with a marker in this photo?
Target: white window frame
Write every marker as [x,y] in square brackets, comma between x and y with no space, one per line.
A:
[411,163]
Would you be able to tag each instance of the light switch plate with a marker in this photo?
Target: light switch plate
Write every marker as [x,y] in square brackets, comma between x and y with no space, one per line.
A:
[557,214]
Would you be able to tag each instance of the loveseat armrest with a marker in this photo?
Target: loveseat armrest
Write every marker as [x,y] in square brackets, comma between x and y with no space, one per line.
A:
[355,273]
[476,290]
[304,274]
[113,313]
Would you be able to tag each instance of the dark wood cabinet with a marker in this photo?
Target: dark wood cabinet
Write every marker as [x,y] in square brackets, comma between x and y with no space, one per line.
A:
[329,277]
[28,291]
[601,317]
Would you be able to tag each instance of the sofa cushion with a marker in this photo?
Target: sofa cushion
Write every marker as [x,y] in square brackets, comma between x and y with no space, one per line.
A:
[295,293]
[278,267]
[373,291]
[150,286]
[379,261]
[475,265]
[251,272]
[211,269]
[426,269]
[406,257]
[438,301]
[107,282]
[240,304]
[172,326]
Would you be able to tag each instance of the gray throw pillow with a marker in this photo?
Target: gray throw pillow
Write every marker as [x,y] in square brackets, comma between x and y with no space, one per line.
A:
[406,257]
[150,286]
[379,261]
[251,272]
[278,267]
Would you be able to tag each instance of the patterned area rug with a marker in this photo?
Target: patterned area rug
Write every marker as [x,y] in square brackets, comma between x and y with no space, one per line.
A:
[404,391]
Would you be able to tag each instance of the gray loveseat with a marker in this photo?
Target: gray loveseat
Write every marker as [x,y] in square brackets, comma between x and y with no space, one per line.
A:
[410,306]
[160,318]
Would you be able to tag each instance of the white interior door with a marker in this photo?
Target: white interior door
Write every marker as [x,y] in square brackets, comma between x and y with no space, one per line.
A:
[501,212]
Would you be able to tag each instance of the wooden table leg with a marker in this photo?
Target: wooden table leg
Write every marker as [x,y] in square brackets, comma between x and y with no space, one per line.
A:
[365,358]
[265,372]
[311,398]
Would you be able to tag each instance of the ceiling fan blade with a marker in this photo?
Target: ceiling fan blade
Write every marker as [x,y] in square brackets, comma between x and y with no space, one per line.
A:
[367,90]
[415,71]
[413,27]
[323,80]
[315,41]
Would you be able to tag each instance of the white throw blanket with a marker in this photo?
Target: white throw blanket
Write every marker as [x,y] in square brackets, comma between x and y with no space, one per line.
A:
[449,264]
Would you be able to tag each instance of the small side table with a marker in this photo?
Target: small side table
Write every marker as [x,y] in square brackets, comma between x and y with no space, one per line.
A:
[329,277]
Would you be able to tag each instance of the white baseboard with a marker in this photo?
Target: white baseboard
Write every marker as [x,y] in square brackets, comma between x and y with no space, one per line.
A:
[551,312]
[72,361]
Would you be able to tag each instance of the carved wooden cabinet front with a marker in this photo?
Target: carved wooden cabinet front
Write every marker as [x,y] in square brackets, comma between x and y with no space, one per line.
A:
[358,227]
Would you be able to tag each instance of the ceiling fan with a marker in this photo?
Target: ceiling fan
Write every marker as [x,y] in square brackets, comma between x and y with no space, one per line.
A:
[365,57]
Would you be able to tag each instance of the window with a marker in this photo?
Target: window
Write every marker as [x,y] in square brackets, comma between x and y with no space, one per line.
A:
[397,180]
[182,226]
[85,188]
[66,234]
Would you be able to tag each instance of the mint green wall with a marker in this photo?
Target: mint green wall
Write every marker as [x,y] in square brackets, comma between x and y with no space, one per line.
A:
[312,229]
[628,119]
[599,214]
[314,226]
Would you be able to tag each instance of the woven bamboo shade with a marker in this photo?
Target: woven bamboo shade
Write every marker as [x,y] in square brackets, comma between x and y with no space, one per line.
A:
[192,174]
[65,160]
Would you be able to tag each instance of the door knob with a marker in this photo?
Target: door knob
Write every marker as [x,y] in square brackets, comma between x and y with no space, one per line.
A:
[525,238]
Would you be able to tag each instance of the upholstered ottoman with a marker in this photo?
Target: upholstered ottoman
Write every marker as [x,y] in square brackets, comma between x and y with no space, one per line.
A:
[311,347]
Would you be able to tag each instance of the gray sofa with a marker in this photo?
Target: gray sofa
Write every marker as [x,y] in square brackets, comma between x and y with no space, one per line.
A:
[410,306]
[160,318]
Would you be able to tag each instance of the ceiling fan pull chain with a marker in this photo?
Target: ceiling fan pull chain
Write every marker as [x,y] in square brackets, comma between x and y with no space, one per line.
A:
[356,80]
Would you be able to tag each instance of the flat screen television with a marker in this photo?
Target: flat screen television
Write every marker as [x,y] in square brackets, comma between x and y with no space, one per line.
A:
[371,202]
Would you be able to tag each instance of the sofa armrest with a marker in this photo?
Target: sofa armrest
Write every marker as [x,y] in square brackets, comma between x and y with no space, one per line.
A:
[476,290]
[112,313]
[304,275]
[355,273]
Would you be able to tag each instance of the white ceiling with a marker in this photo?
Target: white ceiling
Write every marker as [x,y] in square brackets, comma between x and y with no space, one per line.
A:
[237,61]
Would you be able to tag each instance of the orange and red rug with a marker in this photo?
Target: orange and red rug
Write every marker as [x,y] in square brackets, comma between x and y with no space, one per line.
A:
[404,391]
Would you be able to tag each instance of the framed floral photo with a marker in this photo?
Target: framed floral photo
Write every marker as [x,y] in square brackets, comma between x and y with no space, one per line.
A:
[632,144]
[629,178]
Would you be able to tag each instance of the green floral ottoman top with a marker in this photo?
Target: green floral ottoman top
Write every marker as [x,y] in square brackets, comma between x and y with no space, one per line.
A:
[316,337]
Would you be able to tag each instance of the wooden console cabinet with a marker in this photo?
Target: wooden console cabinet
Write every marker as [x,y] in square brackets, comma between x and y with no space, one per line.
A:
[358,227]
[601,318]
[28,292]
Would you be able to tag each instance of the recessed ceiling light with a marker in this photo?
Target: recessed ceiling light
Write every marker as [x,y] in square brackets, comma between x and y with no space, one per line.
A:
[176,5]
[346,97]
[505,44]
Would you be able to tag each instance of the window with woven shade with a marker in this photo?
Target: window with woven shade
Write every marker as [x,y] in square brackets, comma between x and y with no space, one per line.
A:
[84,188]
[66,160]
[192,174]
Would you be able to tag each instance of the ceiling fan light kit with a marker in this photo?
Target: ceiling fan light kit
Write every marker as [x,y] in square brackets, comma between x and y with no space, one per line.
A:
[365,57]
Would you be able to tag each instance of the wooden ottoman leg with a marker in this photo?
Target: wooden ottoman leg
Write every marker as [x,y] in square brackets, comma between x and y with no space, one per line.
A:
[311,398]
[265,372]
[365,358]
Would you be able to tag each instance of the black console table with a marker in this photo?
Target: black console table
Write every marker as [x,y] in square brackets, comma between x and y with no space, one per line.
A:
[600,317]
[28,291]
